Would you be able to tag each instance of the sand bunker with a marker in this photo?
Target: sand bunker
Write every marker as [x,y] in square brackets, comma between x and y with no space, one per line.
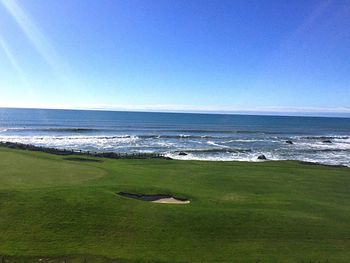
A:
[156,198]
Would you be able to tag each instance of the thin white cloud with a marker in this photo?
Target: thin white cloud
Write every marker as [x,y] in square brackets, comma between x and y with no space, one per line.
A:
[273,110]
[312,20]
[222,109]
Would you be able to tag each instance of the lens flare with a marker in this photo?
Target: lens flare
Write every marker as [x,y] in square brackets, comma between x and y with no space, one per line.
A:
[9,54]
[41,43]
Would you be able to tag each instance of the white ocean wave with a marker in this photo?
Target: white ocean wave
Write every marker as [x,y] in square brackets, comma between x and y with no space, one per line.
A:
[72,141]
[335,153]
[248,140]
[191,156]
[335,160]
[336,145]
[216,144]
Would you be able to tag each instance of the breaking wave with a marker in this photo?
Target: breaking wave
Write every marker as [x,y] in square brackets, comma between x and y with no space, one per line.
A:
[197,146]
[324,137]
[216,150]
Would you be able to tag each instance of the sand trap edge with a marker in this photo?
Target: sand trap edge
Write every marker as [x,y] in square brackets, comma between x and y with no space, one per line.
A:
[155,198]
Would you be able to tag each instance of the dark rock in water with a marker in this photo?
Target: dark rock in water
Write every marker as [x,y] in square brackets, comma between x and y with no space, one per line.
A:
[327,141]
[182,153]
[262,157]
[289,142]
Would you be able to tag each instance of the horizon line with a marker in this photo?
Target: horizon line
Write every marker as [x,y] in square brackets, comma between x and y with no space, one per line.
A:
[288,112]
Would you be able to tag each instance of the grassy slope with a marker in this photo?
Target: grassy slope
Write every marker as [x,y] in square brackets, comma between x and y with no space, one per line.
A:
[240,212]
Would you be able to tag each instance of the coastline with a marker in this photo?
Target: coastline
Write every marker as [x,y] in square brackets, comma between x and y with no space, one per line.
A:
[56,151]
[113,155]
[201,137]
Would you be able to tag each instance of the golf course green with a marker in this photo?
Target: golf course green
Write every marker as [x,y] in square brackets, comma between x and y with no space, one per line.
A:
[59,209]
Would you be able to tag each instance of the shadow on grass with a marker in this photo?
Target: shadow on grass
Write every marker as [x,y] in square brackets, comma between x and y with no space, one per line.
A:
[67,259]
[79,159]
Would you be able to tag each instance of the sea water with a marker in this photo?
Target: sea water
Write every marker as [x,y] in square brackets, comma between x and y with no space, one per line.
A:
[200,136]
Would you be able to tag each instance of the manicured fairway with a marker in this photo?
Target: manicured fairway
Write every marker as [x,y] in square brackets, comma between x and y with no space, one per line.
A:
[51,208]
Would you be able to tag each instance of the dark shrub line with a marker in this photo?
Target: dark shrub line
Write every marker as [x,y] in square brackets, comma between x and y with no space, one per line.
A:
[56,151]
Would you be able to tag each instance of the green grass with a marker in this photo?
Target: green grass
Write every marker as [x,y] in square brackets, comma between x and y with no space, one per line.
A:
[239,212]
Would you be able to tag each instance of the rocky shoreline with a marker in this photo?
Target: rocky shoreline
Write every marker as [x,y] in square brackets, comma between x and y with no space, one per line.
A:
[57,151]
[114,155]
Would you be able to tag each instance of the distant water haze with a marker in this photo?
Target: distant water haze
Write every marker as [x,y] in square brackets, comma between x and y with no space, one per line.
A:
[199,136]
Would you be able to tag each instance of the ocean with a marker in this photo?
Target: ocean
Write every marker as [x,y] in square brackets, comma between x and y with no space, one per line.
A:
[196,136]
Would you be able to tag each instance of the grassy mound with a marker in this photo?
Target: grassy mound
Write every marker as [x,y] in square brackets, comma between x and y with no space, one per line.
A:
[51,208]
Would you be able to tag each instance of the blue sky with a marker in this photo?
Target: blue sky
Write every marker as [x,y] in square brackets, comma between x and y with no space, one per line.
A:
[179,55]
